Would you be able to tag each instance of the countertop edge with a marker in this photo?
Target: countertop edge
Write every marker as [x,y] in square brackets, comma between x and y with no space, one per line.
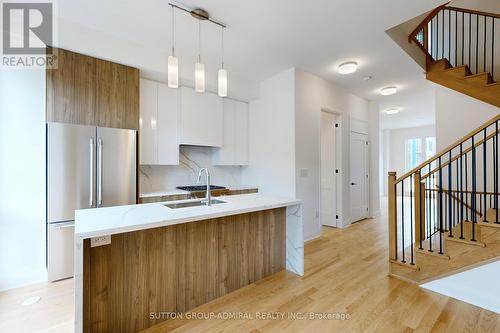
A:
[164,223]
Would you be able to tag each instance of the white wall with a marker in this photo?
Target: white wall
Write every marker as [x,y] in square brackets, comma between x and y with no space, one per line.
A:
[374,138]
[154,178]
[397,145]
[272,137]
[22,178]
[458,114]
[314,94]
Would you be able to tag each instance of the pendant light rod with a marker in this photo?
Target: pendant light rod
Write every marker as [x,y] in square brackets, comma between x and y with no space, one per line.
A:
[199,14]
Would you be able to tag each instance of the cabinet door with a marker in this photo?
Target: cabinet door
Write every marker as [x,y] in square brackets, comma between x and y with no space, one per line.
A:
[117,95]
[226,154]
[71,89]
[148,122]
[241,134]
[201,118]
[234,150]
[167,125]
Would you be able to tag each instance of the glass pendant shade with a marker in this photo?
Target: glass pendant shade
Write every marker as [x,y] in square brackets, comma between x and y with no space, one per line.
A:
[222,82]
[173,72]
[199,77]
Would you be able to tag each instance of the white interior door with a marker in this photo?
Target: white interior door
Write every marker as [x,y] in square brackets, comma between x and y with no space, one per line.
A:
[328,174]
[359,176]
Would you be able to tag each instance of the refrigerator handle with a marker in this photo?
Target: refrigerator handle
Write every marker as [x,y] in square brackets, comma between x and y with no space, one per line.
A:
[99,175]
[91,200]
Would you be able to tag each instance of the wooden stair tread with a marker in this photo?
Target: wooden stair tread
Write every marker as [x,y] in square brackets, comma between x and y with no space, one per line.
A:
[491,215]
[481,79]
[467,234]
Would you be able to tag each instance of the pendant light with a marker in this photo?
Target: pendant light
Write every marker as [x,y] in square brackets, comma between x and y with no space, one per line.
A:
[222,74]
[199,68]
[173,63]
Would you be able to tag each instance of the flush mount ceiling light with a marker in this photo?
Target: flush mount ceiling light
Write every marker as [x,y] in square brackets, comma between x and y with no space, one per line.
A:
[347,67]
[199,67]
[388,91]
[392,111]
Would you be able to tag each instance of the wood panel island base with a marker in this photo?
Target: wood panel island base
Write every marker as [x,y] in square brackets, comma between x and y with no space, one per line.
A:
[178,261]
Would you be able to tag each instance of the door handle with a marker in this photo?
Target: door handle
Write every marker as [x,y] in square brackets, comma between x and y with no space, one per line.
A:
[99,173]
[91,197]
[353,184]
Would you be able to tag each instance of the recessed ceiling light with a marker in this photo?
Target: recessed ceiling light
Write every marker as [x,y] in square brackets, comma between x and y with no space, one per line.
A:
[388,91]
[391,111]
[348,67]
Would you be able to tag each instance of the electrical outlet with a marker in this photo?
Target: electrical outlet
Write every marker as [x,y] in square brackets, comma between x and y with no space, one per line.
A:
[99,241]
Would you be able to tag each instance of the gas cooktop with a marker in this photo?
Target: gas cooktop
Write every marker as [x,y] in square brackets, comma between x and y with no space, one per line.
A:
[196,188]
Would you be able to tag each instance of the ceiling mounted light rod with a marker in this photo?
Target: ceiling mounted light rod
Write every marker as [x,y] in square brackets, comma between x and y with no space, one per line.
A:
[199,14]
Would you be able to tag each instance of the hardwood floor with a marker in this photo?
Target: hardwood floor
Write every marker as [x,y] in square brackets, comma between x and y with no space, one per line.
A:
[346,272]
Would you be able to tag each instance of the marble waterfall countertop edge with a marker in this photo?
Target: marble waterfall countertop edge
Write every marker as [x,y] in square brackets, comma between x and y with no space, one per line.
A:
[119,219]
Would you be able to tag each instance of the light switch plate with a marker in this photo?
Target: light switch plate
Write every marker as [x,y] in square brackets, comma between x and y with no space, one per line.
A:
[99,241]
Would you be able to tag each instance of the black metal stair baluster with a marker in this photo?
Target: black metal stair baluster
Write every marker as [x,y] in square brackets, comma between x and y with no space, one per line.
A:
[430,229]
[457,204]
[496,172]
[440,206]
[403,220]
[412,246]
[466,188]
[493,47]
[484,174]
[484,42]
[449,36]
[422,217]
[456,38]
[473,196]
[450,188]
[477,43]
[463,32]
[470,40]
[461,194]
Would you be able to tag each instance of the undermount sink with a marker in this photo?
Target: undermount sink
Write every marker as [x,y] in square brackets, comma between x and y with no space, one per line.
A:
[192,203]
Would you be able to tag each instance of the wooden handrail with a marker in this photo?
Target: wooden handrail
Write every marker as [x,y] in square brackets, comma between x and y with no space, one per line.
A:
[447,149]
[427,19]
[479,143]
[474,12]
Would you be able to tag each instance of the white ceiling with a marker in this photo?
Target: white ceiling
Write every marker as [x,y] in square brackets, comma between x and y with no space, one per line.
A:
[263,38]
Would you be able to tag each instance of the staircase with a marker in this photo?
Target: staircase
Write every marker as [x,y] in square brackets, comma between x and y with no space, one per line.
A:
[443,214]
[461,51]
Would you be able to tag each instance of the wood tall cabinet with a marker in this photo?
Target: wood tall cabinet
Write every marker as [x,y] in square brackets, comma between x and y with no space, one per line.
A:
[89,91]
[117,97]
[71,89]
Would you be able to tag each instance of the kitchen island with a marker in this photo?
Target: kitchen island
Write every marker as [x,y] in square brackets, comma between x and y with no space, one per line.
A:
[162,259]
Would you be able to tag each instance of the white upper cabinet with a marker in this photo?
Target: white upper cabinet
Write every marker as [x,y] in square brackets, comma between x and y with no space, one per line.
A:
[158,131]
[201,121]
[148,96]
[234,150]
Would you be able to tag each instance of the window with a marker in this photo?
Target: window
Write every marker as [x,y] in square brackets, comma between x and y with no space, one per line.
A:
[414,153]
[430,147]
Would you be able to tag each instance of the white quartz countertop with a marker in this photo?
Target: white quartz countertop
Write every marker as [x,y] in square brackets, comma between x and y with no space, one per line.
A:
[113,220]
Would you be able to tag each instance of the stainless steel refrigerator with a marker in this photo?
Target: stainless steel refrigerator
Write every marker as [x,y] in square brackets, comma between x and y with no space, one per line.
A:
[87,167]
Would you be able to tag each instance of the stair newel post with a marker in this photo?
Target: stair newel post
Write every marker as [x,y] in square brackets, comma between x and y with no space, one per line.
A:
[392,216]
[418,217]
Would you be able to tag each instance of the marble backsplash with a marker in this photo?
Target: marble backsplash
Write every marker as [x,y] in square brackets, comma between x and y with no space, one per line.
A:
[166,177]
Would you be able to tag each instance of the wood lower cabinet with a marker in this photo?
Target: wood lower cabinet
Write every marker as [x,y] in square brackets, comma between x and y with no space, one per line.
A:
[71,89]
[117,95]
[89,91]
[177,268]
